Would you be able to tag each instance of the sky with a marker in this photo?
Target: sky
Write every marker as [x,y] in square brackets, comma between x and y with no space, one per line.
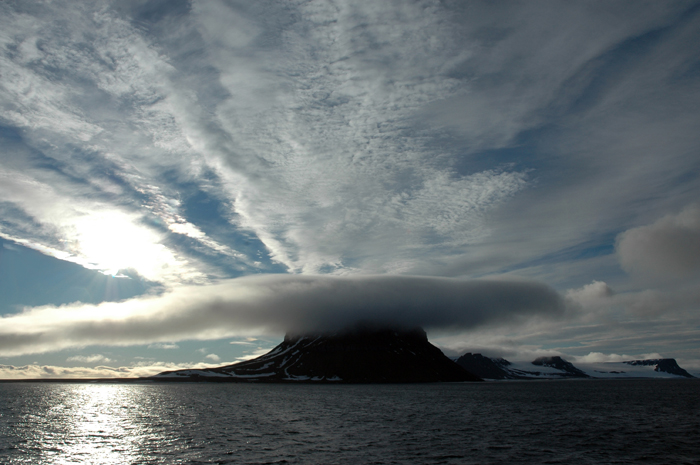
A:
[184,182]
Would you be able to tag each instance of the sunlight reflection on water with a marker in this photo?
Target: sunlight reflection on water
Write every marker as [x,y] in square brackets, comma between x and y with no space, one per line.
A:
[460,423]
[83,423]
[102,429]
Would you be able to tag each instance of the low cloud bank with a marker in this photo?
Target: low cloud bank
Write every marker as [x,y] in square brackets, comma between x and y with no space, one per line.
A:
[135,371]
[275,304]
[597,299]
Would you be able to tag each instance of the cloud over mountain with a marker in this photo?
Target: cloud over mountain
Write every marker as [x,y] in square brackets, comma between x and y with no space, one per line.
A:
[277,304]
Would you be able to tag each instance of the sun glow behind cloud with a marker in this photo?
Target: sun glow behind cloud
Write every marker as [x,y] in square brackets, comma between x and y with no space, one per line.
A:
[112,241]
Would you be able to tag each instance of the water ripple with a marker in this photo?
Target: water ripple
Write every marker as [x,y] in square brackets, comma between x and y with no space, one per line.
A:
[653,422]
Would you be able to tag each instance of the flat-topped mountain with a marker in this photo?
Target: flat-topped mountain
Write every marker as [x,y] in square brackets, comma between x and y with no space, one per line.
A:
[352,356]
[558,368]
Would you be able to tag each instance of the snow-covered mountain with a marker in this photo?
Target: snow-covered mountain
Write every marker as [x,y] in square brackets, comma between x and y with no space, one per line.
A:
[499,368]
[652,368]
[355,356]
[558,368]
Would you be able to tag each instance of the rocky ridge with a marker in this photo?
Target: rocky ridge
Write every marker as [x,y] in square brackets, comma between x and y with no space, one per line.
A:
[663,365]
[558,368]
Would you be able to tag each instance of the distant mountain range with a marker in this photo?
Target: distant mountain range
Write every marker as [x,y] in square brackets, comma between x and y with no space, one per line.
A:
[558,368]
[370,355]
[360,355]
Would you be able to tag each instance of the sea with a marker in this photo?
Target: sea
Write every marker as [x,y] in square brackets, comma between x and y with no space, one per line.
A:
[548,422]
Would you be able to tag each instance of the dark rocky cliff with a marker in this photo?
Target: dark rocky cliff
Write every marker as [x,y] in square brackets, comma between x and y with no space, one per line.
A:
[568,370]
[485,367]
[352,356]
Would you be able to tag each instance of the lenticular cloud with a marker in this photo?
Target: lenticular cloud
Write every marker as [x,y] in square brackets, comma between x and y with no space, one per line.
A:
[275,304]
